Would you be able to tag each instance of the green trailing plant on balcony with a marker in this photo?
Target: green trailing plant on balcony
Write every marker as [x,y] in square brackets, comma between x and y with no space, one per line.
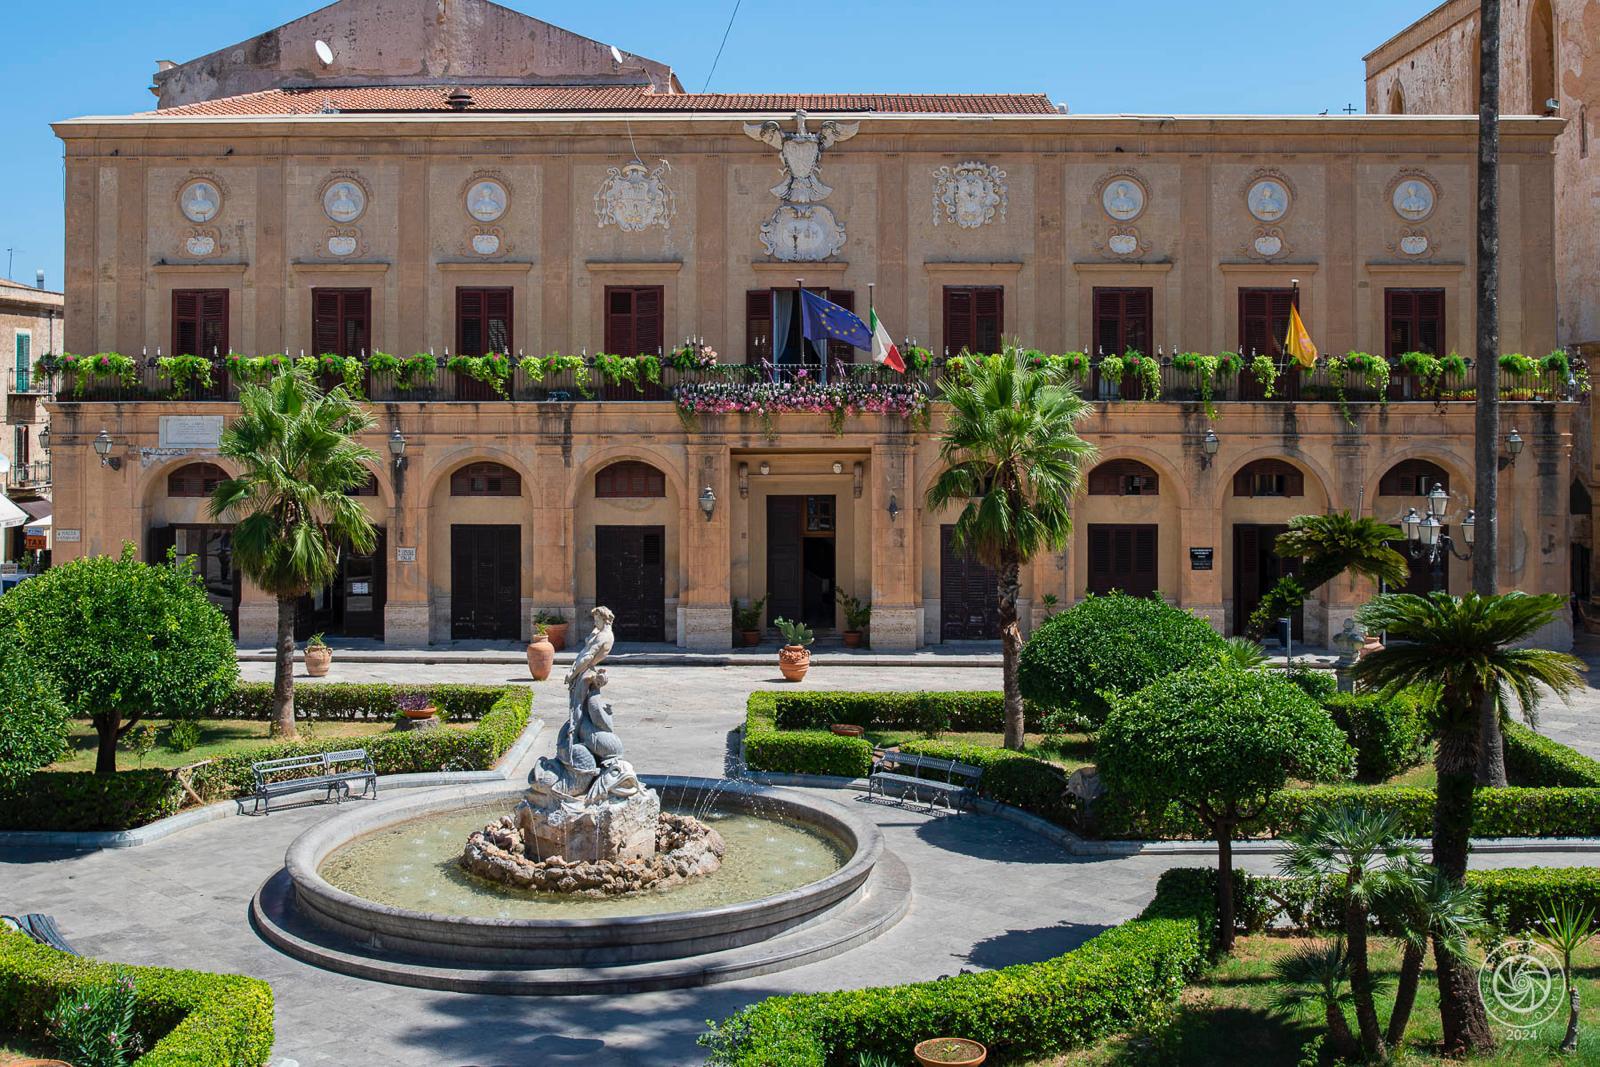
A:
[634,370]
[1518,365]
[255,369]
[350,370]
[1071,368]
[1145,368]
[1265,371]
[494,370]
[1112,369]
[103,366]
[1208,370]
[1374,371]
[406,373]
[918,360]
[689,357]
[534,368]
[185,372]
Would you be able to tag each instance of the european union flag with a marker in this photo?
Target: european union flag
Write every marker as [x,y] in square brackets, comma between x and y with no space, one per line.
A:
[823,320]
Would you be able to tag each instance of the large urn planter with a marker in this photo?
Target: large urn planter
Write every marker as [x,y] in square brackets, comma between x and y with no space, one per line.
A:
[319,657]
[950,1052]
[794,661]
[541,657]
[749,638]
[557,633]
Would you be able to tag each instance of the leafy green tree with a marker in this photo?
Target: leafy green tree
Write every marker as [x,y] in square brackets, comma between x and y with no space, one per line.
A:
[1361,850]
[33,720]
[1329,545]
[123,641]
[291,503]
[1103,646]
[1013,460]
[1463,647]
[1219,742]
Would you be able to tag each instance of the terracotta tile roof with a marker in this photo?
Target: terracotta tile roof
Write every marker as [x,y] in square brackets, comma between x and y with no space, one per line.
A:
[502,98]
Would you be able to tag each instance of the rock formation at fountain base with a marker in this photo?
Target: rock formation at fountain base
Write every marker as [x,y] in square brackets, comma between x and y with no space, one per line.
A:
[685,848]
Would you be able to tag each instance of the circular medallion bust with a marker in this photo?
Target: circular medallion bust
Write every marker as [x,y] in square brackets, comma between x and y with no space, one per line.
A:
[344,201]
[200,201]
[1413,199]
[486,200]
[1268,200]
[1123,199]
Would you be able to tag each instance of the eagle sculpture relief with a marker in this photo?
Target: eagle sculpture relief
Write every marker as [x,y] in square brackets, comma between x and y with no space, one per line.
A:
[801,153]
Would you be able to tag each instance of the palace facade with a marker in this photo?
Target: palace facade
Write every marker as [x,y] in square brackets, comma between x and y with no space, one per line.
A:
[521,190]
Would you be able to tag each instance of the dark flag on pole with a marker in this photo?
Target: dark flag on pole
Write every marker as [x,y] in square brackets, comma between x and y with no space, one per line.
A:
[822,320]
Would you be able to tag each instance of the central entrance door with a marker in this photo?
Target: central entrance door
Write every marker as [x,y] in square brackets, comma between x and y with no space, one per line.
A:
[969,607]
[801,559]
[630,578]
[485,581]
[1122,556]
[1256,569]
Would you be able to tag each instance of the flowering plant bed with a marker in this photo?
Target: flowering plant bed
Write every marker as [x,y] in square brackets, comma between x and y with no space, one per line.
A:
[837,400]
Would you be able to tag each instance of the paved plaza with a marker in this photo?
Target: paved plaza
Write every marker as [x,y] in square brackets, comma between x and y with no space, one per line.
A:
[985,893]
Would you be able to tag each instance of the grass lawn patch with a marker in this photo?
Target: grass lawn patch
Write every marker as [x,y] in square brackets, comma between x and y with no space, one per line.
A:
[1225,1017]
[218,737]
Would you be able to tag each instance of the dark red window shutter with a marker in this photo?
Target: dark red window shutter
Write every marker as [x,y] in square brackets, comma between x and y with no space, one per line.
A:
[1263,321]
[497,319]
[185,322]
[483,321]
[200,322]
[195,479]
[989,317]
[1100,551]
[758,324]
[327,307]
[1413,320]
[485,479]
[1413,477]
[630,478]
[214,323]
[958,321]
[1122,320]
[619,321]
[649,320]
[1123,477]
[634,320]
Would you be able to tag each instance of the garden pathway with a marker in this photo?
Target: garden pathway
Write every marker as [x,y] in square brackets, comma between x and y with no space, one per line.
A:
[986,893]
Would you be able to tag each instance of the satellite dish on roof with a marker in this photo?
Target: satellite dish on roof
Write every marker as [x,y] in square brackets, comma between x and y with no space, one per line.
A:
[324,53]
[616,55]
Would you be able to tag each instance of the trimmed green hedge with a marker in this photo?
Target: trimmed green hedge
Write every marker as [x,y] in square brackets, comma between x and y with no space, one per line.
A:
[355,701]
[1111,983]
[186,1017]
[1389,734]
[1533,759]
[766,748]
[963,711]
[82,800]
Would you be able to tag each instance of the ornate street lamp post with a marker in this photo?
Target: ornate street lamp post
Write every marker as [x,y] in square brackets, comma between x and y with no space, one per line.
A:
[1425,534]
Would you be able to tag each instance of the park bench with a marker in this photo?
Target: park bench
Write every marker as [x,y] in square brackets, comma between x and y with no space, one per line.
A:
[334,772]
[42,928]
[924,778]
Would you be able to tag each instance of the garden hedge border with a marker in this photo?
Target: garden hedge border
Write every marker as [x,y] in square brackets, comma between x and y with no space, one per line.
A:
[355,701]
[75,801]
[1109,984]
[221,1020]
[1534,759]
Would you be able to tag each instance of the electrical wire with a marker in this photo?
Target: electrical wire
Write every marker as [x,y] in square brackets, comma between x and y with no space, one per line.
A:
[723,45]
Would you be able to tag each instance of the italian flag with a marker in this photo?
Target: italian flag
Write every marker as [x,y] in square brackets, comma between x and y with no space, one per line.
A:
[883,346]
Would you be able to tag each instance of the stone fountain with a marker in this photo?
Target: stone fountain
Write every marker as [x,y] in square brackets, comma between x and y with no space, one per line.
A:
[587,824]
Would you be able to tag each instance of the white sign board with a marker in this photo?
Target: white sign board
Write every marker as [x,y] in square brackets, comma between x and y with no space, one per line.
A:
[191,431]
[405,555]
[69,535]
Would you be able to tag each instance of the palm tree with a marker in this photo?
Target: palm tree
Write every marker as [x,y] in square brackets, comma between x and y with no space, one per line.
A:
[1330,545]
[1362,850]
[1244,654]
[1462,646]
[1424,906]
[1013,458]
[291,503]
[1314,976]
[1567,928]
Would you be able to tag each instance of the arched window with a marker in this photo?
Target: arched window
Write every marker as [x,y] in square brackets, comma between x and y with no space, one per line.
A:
[485,479]
[1269,477]
[630,478]
[195,479]
[1397,99]
[1541,56]
[1413,477]
[367,488]
[1123,477]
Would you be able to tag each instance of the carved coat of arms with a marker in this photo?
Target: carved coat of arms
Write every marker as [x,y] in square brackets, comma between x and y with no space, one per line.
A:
[969,195]
[634,198]
[801,152]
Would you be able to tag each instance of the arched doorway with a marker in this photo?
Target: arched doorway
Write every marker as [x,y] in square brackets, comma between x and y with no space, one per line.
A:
[1405,486]
[1123,534]
[633,515]
[181,520]
[485,555]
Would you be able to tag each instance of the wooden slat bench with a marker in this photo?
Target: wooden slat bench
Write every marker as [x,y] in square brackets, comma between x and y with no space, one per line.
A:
[334,772]
[931,779]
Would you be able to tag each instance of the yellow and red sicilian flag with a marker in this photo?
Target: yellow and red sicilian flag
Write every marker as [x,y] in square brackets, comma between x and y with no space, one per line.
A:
[884,349]
[1299,344]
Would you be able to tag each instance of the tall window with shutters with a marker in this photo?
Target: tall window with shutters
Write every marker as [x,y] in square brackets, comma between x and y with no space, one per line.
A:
[341,321]
[974,318]
[1269,477]
[1123,556]
[200,322]
[483,325]
[760,326]
[1263,328]
[634,316]
[1413,321]
[24,359]
[1122,320]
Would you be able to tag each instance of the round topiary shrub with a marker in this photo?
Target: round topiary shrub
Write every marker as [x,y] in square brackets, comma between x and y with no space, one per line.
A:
[1115,644]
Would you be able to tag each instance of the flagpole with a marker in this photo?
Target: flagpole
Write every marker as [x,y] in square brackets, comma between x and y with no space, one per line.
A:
[800,310]
[871,312]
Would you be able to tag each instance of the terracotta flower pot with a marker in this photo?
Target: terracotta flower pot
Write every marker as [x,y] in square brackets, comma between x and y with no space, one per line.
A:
[794,661]
[557,633]
[541,657]
[845,729]
[852,639]
[950,1052]
[749,638]
[420,713]
[318,660]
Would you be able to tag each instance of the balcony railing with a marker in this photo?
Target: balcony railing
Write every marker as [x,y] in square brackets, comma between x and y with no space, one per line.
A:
[590,383]
[35,475]
[27,382]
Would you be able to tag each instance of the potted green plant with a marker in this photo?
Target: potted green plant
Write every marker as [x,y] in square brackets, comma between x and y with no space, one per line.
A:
[748,622]
[794,659]
[950,1052]
[319,657]
[857,614]
[541,653]
[415,705]
[555,627]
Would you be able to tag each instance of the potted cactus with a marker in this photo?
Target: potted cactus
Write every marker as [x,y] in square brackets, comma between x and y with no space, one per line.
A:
[319,657]
[857,614]
[541,653]
[748,622]
[794,659]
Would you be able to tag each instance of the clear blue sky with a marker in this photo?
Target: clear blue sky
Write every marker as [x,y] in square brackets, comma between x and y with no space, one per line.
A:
[82,57]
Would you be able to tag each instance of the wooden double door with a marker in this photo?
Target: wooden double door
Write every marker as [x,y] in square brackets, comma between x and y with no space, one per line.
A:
[486,582]
[969,594]
[1256,569]
[802,559]
[1123,556]
[630,578]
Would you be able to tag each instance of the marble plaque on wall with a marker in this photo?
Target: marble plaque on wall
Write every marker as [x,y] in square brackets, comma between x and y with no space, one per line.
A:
[190,431]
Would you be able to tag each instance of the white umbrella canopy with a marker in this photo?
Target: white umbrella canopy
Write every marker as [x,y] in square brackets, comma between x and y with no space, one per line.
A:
[11,515]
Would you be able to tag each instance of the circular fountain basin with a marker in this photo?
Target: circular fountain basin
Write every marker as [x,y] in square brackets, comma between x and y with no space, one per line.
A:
[522,942]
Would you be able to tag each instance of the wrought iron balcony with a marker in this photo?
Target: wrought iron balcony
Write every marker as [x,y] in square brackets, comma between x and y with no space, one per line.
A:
[34,475]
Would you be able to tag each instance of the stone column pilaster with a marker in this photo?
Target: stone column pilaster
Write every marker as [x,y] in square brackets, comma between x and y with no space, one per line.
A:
[896,578]
[705,550]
